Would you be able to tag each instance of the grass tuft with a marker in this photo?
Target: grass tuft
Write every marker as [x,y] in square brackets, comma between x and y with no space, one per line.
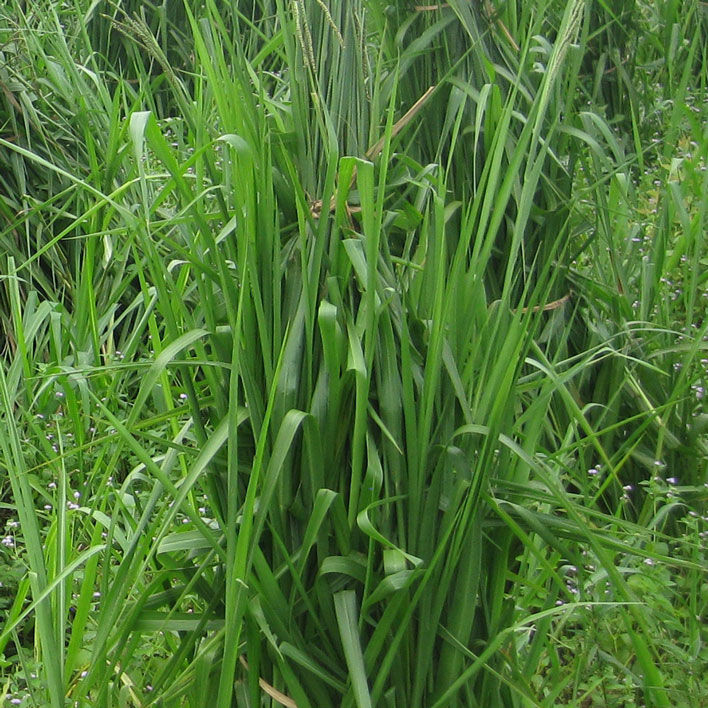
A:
[353,354]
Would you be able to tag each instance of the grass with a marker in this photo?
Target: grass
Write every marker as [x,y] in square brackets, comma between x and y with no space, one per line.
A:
[353,354]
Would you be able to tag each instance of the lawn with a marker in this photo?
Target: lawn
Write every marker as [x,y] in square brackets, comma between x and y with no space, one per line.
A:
[353,354]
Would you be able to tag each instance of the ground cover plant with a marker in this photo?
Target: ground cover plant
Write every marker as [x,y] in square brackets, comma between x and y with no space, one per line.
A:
[353,354]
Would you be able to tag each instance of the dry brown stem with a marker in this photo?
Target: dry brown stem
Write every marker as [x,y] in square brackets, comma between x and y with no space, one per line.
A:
[373,151]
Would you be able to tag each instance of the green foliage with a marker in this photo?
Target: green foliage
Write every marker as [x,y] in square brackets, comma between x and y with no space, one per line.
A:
[353,354]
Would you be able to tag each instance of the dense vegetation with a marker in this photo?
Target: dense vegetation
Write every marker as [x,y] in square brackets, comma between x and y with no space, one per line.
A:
[353,353]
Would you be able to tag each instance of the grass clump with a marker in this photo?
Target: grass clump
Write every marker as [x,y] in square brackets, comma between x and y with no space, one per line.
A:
[354,354]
